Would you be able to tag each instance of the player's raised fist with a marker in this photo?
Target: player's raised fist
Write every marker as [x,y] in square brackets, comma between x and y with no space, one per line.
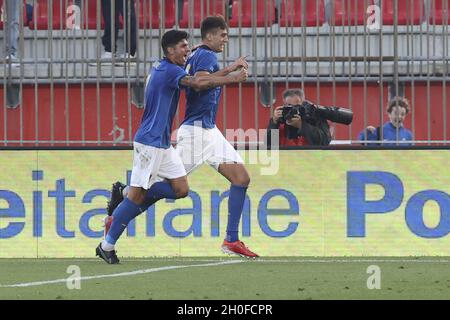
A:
[239,75]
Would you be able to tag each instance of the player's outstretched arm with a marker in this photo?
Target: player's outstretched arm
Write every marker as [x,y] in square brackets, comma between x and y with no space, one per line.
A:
[237,64]
[204,80]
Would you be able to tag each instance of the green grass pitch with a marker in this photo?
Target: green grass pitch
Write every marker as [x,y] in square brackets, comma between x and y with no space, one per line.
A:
[227,278]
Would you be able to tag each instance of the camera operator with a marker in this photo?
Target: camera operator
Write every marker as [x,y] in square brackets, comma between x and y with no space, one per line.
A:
[296,131]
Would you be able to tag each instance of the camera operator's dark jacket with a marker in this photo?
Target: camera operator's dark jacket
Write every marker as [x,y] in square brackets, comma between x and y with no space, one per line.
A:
[317,134]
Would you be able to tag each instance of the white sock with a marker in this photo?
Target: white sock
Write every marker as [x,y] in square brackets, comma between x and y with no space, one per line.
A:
[107,246]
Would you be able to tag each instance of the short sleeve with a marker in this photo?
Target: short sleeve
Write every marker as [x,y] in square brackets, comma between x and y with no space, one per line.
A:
[176,74]
[207,62]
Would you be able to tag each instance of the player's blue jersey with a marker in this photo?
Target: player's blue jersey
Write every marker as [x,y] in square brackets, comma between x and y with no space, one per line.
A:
[201,106]
[162,94]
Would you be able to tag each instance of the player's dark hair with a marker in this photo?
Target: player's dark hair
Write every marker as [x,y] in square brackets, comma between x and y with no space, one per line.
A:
[209,24]
[171,39]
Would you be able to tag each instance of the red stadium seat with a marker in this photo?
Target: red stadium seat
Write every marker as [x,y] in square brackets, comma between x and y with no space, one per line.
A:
[150,13]
[409,11]
[439,14]
[90,15]
[350,12]
[64,13]
[242,11]
[193,12]
[3,14]
[42,16]
[291,13]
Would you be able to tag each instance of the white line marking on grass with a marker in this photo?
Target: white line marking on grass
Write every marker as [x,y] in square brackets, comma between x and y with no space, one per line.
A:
[122,274]
[263,260]
[350,260]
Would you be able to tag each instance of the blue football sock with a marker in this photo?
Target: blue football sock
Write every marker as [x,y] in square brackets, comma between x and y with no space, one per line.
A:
[161,190]
[150,200]
[158,191]
[122,215]
[236,201]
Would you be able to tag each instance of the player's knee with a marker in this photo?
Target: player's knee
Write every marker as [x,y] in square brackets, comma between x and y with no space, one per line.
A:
[242,181]
[182,192]
[246,181]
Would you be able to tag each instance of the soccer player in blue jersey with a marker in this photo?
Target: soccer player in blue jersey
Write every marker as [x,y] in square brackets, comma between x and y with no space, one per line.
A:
[158,171]
[198,138]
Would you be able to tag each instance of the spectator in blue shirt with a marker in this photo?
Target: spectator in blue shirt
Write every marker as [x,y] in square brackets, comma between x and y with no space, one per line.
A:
[393,130]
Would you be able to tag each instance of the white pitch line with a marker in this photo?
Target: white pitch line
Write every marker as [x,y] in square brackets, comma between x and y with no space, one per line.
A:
[122,274]
[262,260]
[353,260]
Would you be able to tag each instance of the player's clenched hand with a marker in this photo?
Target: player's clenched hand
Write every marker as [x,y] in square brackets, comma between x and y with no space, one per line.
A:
[240,75]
